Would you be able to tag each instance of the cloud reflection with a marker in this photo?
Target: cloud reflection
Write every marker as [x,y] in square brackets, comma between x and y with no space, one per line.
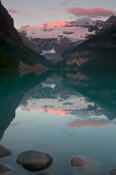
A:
[46,110]
[87,123]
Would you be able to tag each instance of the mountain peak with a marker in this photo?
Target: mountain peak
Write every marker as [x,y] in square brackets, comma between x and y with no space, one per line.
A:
[112,19]
[83,21]
[7,29]
[111,22]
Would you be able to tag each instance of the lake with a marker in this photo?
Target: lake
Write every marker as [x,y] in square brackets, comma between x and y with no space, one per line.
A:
[63,114]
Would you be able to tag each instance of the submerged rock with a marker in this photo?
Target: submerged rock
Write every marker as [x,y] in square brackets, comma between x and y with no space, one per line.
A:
[34,160]
[85,165]
[113,172]
[3,169]
[77,162]
[4,152]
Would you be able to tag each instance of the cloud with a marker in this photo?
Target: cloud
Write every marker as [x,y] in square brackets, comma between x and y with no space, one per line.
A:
[94,12]
[51,8]
[13,10]
[30,14]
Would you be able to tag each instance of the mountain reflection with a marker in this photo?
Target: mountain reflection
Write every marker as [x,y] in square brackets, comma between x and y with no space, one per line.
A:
[79,94]
[12,89]
[56,96]
[90,98]
[99,87]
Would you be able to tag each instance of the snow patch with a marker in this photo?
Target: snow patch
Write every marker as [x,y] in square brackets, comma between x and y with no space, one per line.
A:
[52,51]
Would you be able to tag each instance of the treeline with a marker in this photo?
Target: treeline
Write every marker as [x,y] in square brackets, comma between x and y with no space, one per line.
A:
[7,62]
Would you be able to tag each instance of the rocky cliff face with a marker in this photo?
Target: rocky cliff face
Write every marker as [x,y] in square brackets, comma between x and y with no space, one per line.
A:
[7,29]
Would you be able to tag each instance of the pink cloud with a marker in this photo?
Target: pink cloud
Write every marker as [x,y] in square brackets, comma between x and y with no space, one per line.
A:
[94,12]
[51,8]
[13,10]
[49,25]
[55,24]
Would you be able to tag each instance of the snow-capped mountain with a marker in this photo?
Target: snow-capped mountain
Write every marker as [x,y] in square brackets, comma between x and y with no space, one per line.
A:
[52,39]
[57,30]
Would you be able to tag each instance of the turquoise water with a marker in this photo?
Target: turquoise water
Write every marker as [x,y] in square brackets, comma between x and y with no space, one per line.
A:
[63,114]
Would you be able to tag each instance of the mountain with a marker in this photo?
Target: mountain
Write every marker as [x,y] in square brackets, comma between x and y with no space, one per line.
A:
[97,53]
[13,53]
[7,29]
[111,22]
[50,40]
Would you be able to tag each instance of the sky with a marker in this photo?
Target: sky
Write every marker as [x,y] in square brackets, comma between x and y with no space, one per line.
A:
[37,12]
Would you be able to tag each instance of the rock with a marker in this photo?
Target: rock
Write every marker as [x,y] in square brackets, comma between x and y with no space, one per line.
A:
[3,169]
[85,164]
[113,172]
[77,162]
[4,152]
[34,160]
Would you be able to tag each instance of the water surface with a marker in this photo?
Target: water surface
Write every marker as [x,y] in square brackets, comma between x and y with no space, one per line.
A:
[63,114]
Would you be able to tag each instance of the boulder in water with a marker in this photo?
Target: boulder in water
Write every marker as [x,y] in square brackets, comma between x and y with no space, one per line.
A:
[3,169]
[4,152]
[34,160]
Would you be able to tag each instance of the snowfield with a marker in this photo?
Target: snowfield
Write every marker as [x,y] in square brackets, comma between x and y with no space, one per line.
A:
[73,33]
